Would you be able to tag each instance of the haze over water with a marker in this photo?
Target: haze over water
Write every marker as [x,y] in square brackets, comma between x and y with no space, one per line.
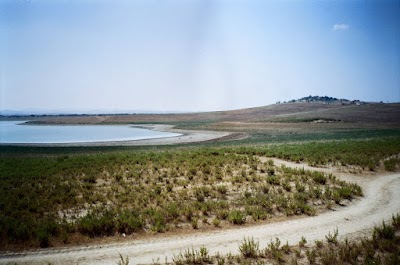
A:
[17,132]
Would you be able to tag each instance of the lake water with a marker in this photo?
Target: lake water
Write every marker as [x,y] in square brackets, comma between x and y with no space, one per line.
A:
[17,132]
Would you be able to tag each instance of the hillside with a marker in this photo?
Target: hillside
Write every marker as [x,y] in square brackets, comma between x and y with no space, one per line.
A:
[312,111]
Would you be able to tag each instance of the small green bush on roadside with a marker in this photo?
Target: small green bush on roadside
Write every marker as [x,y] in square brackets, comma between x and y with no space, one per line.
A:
[128,222]
[249,248]
[237,217]
[98,224]
[391,164]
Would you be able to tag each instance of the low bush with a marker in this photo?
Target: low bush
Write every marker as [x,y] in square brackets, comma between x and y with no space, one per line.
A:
[129,221]
[216,222]
[97,224]
[396,220]
[192,256]
[302,242]
[391,164]
[332,238]
[383,232]
[237,217]
[311,256]
[157,220]
[318,177]
[273,180]
[249,248]
[345,192]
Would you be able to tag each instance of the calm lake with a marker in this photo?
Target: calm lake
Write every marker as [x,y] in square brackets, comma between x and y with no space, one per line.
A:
[17,132]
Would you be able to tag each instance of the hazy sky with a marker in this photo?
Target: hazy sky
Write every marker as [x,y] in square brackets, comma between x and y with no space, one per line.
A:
[187,55]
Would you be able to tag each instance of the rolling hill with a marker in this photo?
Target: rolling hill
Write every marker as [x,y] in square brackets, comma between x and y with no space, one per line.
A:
[297,111]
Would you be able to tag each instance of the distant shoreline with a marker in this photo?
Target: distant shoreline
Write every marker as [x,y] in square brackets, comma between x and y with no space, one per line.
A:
[186,136]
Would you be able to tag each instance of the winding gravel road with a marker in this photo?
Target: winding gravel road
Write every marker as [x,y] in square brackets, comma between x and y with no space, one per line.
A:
[381,200]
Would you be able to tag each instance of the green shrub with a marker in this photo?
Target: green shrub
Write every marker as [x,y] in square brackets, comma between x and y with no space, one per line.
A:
[249,248]
[157,220]
[223,214]
[188,212]
[97,223]
[237,217]
[318,177]
[274,251]
[273,180]
[43,236]
[332,238]
[329,257]
[345,192]
[299,187]
[396,220]
[16,230]
[286,185]
[349,252]
[271,171]
[311,256]
[302,242]
[286,248]
[391,164]
[128,222]
[204,254]
[216,222]
[195,223]
[191,256]
[172,211]
[301,197]
[222,189]
[319,243]
[199,193]
[383,232]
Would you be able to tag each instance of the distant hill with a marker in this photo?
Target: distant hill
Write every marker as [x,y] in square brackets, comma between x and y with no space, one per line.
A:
[328,100]
[307,109]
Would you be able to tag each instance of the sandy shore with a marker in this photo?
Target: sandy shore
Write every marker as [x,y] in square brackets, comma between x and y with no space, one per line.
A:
[185,136]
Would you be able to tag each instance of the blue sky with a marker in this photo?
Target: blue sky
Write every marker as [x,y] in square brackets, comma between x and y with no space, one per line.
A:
[187,55]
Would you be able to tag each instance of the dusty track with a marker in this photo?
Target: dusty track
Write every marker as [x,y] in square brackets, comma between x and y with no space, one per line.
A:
[381,199]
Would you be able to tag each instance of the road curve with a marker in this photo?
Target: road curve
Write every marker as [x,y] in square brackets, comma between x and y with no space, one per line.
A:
[381,200]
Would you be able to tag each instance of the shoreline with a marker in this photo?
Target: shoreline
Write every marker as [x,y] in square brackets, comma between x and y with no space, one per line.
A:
[186,136]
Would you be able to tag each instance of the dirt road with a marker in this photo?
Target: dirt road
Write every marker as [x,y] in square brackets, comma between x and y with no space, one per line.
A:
[381,200]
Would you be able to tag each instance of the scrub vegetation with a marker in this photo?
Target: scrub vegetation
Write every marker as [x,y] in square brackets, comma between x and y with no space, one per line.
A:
[366,154]
[45,200]
[383,247]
